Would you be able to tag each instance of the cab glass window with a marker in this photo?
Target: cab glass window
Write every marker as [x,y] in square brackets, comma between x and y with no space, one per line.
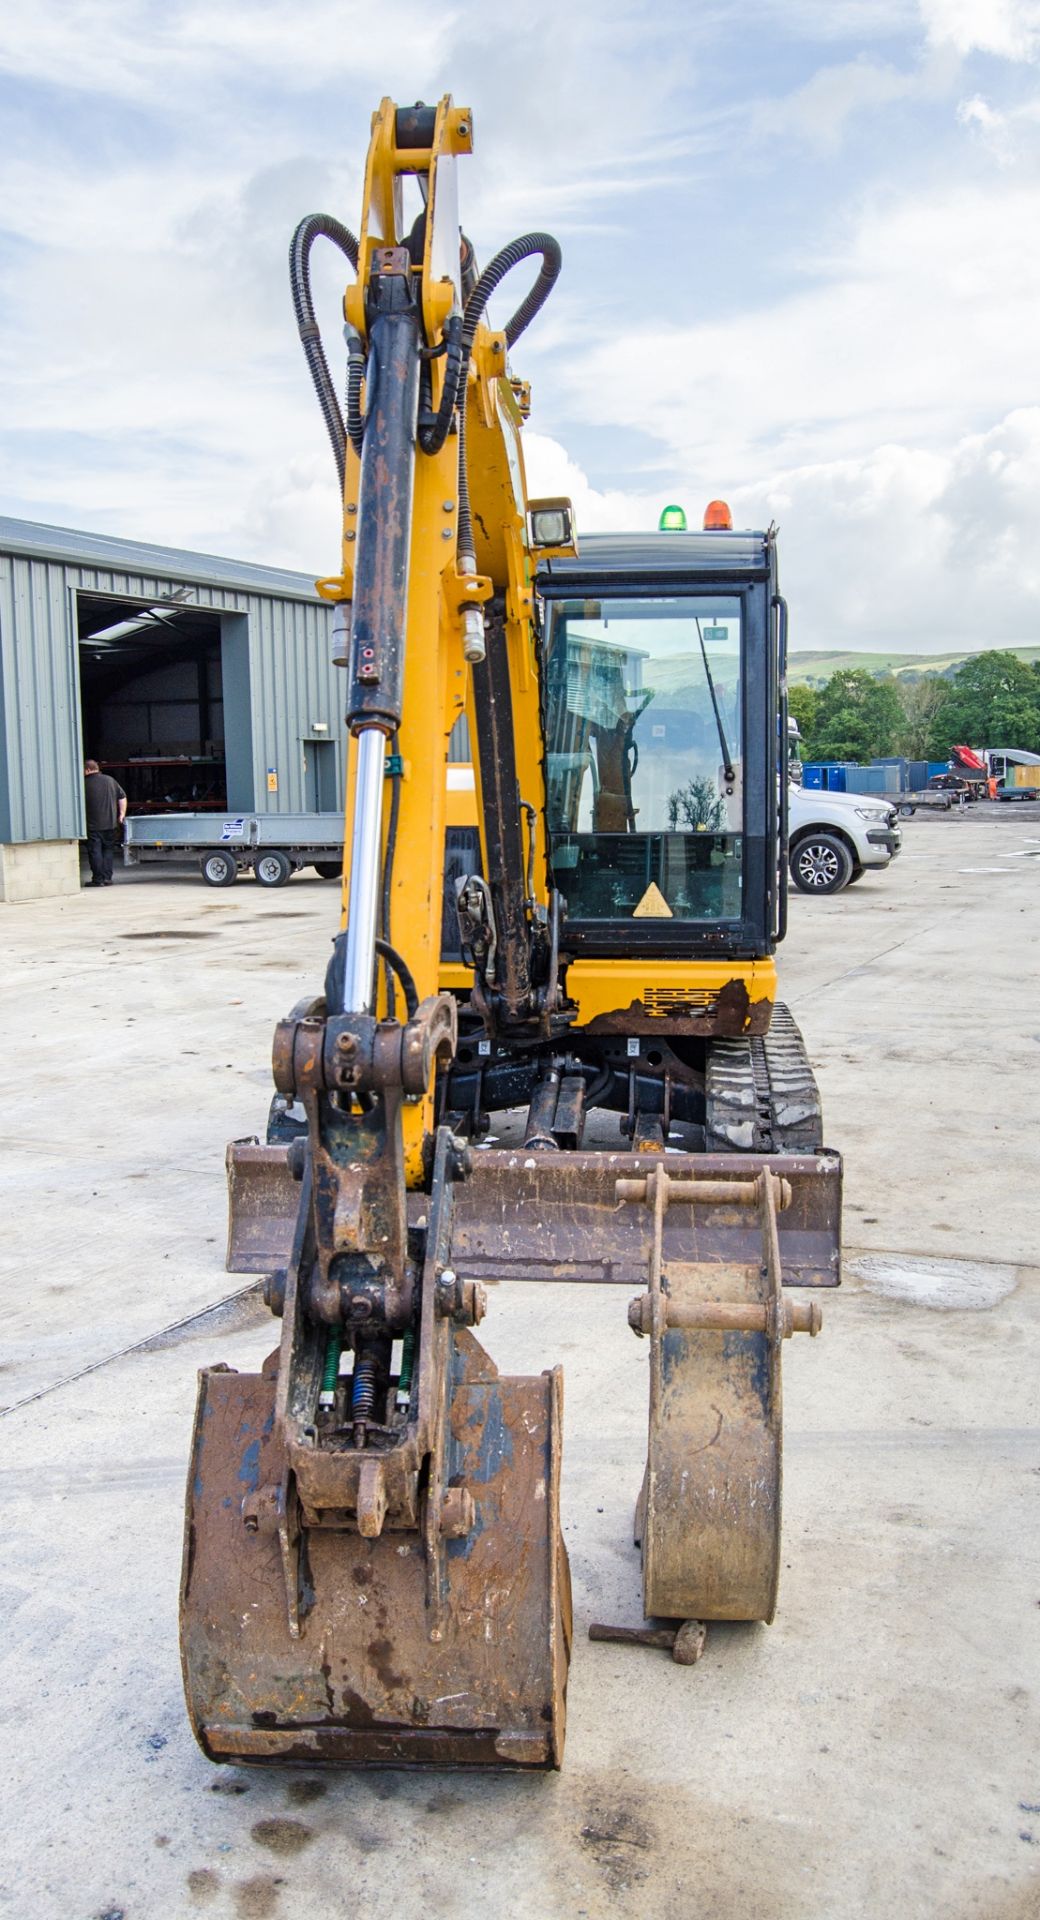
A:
[644,740]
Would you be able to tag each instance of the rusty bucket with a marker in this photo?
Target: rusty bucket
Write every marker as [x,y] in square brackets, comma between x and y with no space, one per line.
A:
[402,1656]
[406,1604]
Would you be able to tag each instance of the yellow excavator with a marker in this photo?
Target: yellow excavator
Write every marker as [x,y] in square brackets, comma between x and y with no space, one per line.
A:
[564,883]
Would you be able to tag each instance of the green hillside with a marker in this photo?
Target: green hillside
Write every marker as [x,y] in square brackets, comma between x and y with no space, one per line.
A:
[813,669]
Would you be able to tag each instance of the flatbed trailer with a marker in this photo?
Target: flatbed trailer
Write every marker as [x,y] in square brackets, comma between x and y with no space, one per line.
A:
[271,846]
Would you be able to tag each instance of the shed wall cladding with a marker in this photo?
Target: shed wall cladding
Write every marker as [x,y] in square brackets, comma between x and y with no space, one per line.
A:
[294,686]
[289,686]
[43,797]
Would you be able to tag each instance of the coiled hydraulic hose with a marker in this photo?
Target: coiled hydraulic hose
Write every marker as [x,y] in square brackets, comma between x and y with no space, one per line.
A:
[459,334]
[315,226]
[494,273]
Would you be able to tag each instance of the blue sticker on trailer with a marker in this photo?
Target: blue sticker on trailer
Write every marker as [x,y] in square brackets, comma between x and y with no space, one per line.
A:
[232,829]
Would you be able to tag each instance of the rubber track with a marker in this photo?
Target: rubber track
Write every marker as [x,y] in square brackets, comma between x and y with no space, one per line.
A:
[761,1094]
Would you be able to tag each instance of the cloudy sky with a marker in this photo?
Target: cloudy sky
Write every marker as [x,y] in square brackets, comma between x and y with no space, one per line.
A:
[801,270]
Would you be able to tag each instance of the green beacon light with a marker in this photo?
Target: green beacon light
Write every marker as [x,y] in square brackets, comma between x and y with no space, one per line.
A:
[673,520]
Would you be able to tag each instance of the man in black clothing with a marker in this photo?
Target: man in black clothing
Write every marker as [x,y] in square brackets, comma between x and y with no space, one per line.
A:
[106,811]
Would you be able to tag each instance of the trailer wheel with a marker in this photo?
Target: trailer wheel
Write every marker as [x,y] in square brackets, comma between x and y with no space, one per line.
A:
[907,812]
[273,869]
[219,869]
[328,869]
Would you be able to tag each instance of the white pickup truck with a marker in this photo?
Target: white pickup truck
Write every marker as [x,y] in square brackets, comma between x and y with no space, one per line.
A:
[834,838]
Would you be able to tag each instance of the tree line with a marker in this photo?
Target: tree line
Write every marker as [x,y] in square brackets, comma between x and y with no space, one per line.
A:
[992,700]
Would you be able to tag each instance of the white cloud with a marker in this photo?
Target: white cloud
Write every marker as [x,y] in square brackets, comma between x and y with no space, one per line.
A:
[912,550]
[832,20]
[921,322]
[1008,28]
[900,549]
[988,125]
[551,472]
[818,112]
[989,503]
[148,351]
[1009,135]
[174,56]
[878,415]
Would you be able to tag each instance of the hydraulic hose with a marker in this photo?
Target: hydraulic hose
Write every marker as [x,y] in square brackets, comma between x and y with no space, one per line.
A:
[404,974]
[356,360]
[432,437]
[388,870]
[459,336]
[334,974]
[495,272]
[461,329]
[529,245]
[600,1084]
[315,226]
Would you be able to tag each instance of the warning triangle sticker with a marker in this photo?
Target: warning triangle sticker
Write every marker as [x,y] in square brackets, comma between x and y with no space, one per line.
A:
[653,905]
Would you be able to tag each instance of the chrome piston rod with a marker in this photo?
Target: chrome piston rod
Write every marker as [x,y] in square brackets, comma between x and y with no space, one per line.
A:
[366,853]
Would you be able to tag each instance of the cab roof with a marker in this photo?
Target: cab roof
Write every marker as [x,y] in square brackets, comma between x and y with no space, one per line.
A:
[639,559]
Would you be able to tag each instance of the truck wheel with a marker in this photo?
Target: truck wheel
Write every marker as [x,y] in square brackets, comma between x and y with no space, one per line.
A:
[821,863]
[328,869]
[219,869]
[273,869]
[856,874]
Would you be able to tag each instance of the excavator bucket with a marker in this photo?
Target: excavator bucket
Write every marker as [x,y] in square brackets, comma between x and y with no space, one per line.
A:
[397,1659]
[427,1619]
[708,1515]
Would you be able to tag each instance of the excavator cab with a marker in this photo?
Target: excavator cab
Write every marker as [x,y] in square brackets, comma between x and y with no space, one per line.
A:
[663,715]
[661,678]
[374,1570]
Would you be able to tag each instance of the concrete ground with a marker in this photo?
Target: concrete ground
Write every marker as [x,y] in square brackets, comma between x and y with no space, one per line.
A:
[875,1752]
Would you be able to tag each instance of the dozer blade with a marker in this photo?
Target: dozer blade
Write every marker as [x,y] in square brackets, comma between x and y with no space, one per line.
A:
[554,1216]
[411,1648]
